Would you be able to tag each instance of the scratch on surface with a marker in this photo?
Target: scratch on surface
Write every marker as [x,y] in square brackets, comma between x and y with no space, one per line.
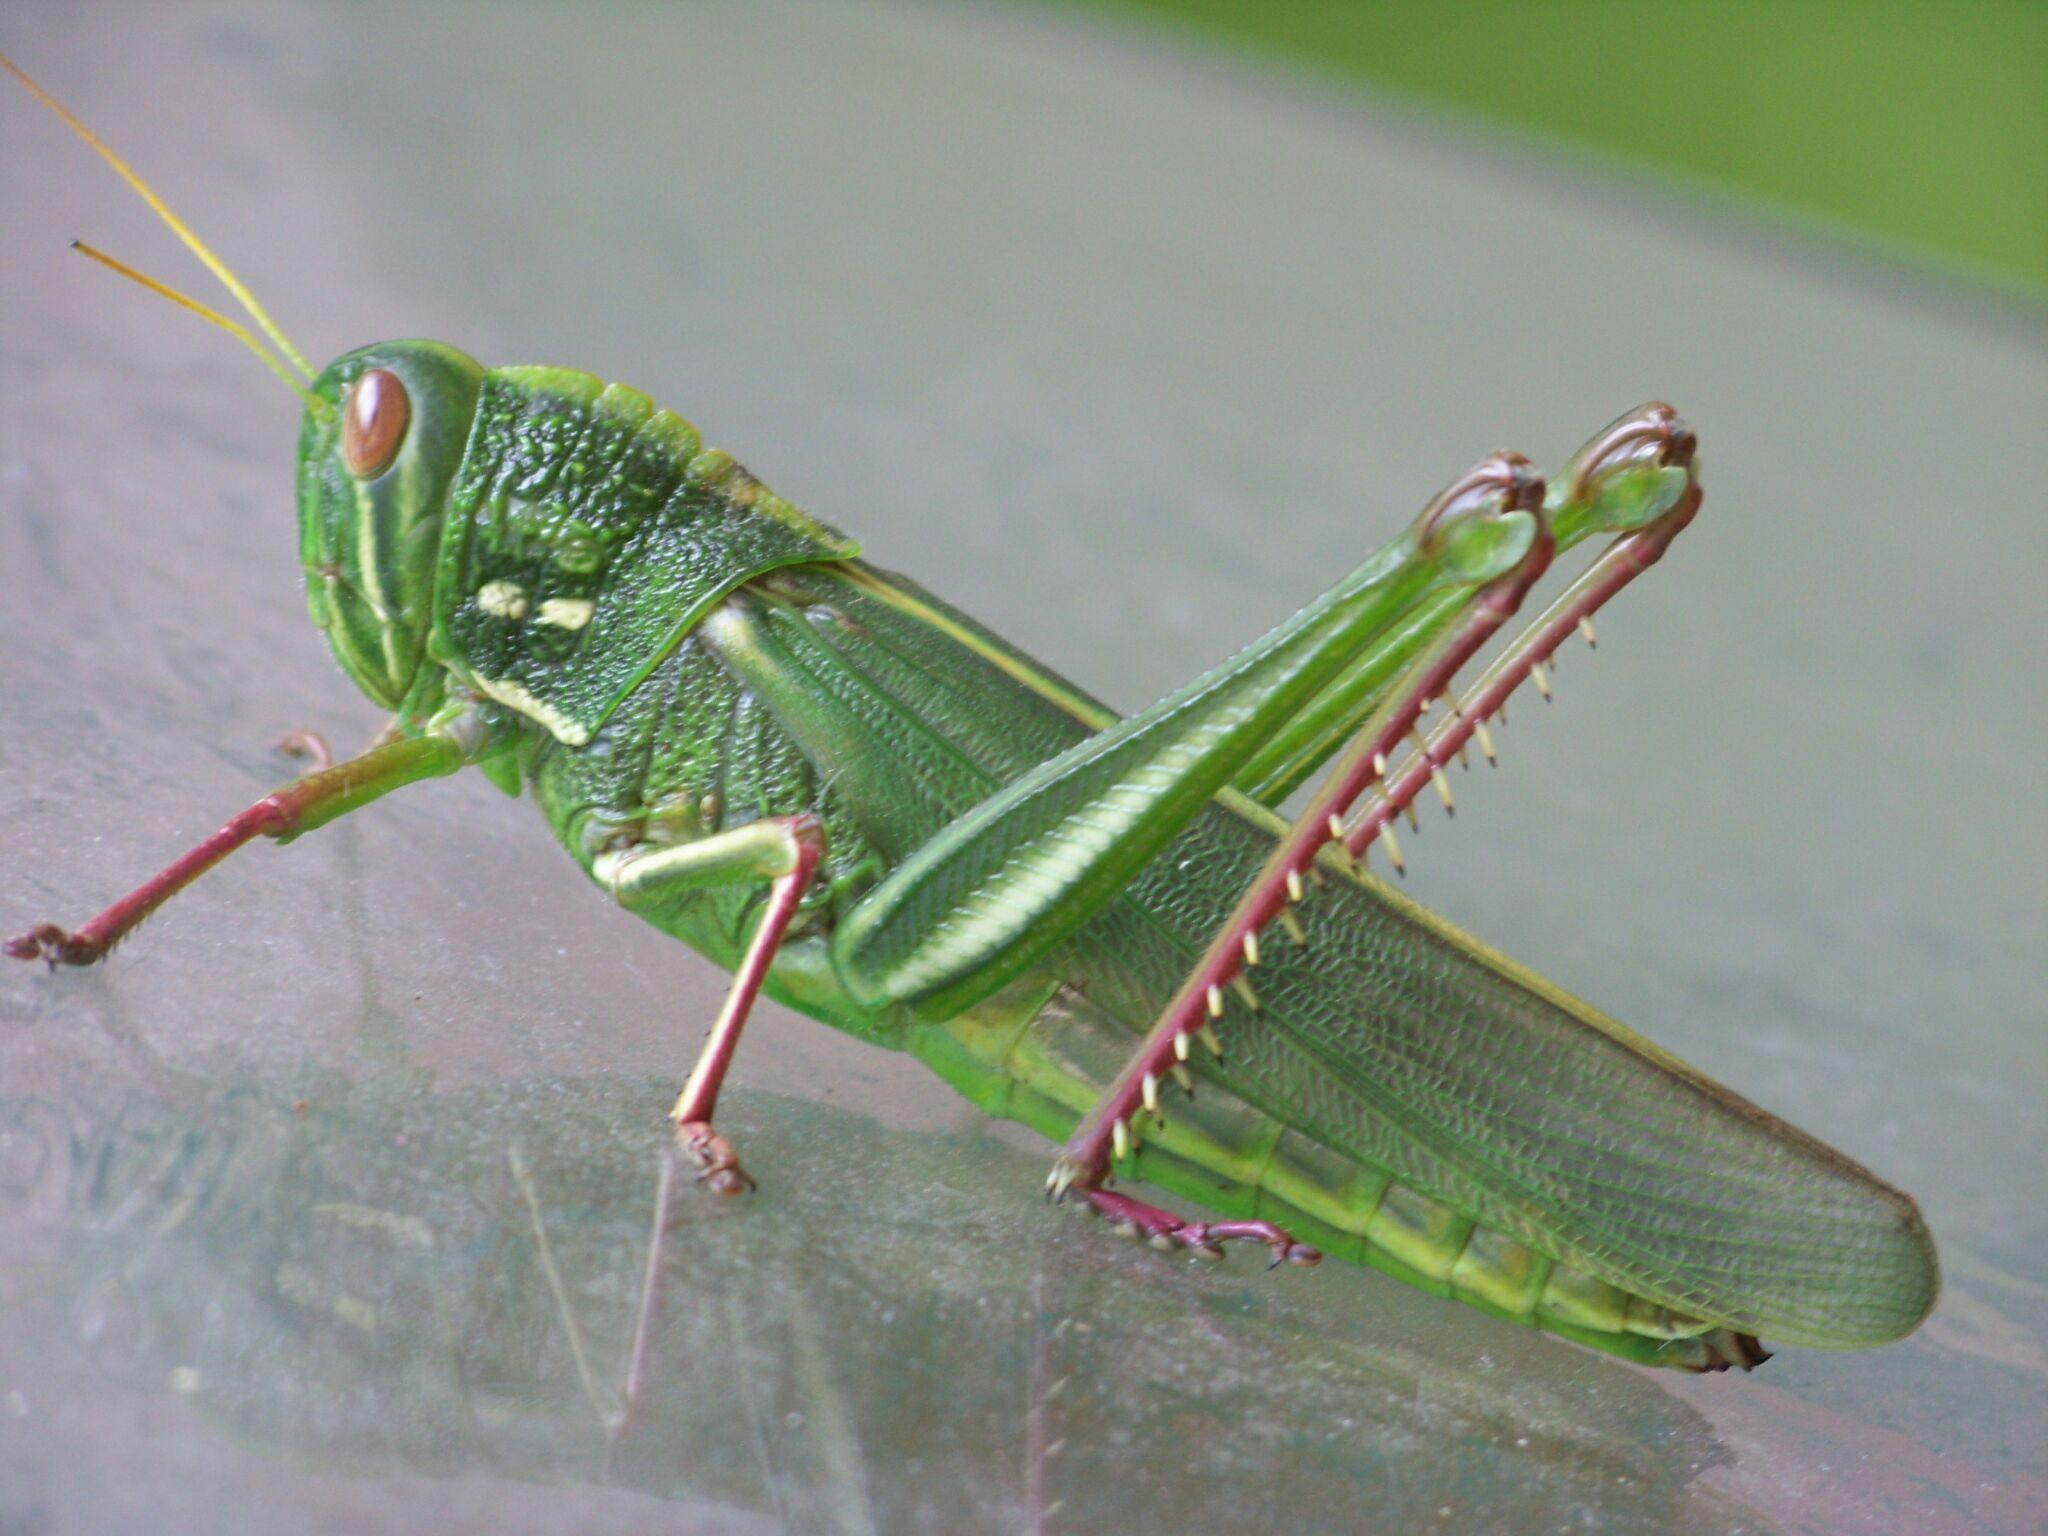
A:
[838,1442]
[547,1265]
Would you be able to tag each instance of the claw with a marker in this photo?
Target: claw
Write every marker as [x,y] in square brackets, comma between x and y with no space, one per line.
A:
[308,747]
[55,946]
[1204,1239]
[712,1153]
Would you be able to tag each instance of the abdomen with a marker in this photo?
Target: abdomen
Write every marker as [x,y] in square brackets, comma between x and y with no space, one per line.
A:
[1238,1161]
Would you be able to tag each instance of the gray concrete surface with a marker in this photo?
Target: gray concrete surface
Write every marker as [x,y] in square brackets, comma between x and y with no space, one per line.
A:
[1128,349]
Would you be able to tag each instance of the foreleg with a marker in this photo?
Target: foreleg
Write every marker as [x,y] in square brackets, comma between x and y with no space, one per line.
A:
[299,807]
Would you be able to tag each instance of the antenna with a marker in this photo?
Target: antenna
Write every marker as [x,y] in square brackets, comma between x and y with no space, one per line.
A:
[198,247]
[234,328]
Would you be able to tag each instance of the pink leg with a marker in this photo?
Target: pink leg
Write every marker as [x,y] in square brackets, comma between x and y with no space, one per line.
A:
[299,807]
[1085,1161]
[1166,1231]
[692,1113]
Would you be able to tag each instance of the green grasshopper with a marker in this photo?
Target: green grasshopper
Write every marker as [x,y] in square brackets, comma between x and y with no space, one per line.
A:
[861,802]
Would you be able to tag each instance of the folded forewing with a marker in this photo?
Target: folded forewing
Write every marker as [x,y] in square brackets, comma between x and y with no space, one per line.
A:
[1395,1038]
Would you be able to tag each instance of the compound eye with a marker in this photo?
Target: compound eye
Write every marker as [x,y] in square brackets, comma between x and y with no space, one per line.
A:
[373,422]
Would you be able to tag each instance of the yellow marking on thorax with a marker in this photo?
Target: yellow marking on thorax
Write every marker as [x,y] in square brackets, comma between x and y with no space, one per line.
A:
[570,733]
[566,612]
[504,600]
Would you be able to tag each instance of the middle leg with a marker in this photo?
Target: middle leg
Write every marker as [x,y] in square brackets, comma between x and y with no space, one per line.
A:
[784,851]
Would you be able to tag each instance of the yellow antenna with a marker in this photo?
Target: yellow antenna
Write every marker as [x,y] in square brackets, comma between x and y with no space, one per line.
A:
[234,328]
[178,227]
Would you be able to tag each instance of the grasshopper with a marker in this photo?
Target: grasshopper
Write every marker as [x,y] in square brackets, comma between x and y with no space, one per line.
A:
[859,801]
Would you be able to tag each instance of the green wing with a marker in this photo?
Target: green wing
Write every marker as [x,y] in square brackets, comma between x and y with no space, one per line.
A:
[1390,1037]
[1398,1040]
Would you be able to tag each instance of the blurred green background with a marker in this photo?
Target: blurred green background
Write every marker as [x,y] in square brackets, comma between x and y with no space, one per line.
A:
[1921,128]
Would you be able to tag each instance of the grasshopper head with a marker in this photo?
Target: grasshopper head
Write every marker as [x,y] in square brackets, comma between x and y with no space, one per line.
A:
[384,429]
[374,475]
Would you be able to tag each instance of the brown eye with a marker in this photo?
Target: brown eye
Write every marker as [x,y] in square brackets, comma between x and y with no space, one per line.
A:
[373,423]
